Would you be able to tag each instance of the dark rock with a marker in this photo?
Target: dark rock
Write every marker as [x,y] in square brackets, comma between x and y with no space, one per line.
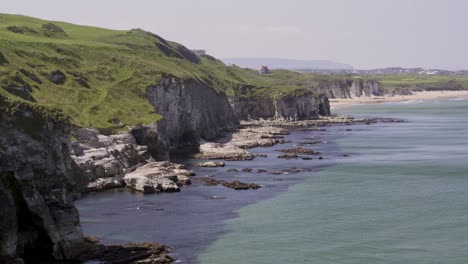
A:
[57,77]
[83,82]
[261,171]
[132,253]
[52,30]
[21,29]
[298,151]
[232,170]
[261,155]
[288,156]
[3,60]
[320,158]
[31,76]
[38,183]
[348,129]
[306,158]
[246,170]
[236,185]
[20,88]
[148,136]
[311,142]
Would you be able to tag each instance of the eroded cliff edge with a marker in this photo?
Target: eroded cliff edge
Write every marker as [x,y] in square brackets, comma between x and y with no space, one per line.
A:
[37,186]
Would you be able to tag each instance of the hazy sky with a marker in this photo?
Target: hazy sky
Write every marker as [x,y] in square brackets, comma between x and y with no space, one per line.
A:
[363,33]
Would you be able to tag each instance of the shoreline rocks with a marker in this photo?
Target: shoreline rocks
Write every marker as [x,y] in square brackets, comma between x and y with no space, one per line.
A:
[104,160]
[155,177]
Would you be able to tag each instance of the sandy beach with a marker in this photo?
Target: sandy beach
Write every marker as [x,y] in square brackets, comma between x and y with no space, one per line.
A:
[426,95]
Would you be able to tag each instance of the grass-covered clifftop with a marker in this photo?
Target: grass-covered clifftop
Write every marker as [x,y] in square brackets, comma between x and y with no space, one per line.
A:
[422,81]
[99,76]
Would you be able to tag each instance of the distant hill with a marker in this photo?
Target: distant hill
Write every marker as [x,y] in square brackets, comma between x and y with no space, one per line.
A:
[289,64]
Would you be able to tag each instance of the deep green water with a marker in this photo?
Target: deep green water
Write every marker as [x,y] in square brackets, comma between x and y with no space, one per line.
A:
[401,197]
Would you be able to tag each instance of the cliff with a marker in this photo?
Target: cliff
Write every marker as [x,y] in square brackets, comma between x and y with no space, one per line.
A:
[350,89]
[191,110]
[291,107]
[37,186]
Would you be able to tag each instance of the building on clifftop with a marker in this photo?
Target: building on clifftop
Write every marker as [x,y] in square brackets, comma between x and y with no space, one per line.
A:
[264,70]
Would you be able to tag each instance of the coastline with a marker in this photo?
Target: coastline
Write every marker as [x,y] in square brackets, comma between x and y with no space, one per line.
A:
[425,95]
[207,207]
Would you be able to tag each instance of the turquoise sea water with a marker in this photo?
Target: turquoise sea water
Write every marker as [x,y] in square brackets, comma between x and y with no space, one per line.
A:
[401,197]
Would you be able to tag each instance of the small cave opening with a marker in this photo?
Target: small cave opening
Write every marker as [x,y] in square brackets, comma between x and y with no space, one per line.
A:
[34,244]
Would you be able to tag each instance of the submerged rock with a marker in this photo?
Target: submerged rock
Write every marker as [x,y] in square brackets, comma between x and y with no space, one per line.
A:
[288,156]
[299,151]
[236,185]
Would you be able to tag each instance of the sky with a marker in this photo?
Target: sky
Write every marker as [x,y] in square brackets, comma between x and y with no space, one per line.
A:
[364,33]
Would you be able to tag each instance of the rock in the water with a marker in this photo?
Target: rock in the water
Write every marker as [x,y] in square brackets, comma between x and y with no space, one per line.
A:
[299,151]
[211,164]
[246,170]
[236,185]
[103,184]
[288,156]
[232,170]
[223,151]
[57,77]
[136,253]
[158,177]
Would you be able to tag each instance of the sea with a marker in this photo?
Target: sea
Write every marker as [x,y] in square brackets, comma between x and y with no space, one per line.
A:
[383,193]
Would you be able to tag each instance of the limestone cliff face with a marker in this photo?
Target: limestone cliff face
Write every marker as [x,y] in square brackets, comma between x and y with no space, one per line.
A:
[307,106]
[191,111]
[37,187]
[350,89]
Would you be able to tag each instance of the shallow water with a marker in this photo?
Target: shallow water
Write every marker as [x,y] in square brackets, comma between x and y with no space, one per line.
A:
[401,197]
[191,220]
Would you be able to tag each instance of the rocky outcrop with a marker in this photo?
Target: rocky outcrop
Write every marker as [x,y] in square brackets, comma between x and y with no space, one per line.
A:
[210,164]
[37,187]
[350,89]
[191,111]
[104,160]
[158,177]
[292,107]
[225,151]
